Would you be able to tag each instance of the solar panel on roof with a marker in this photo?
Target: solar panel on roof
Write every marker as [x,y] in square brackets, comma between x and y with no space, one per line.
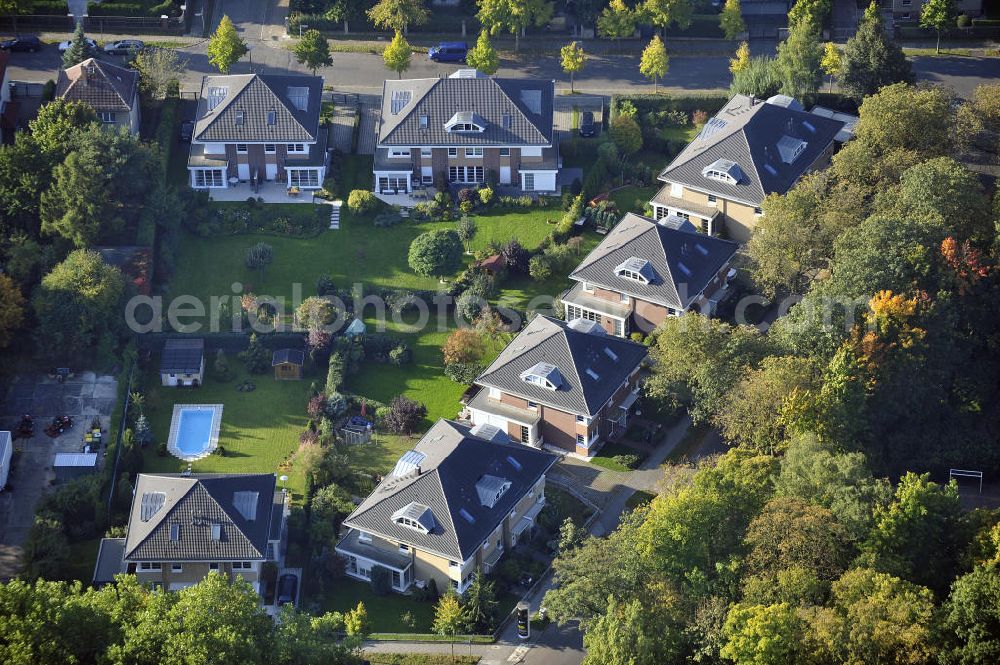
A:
[246,504]
[150,504]
[216,95]
[299,96]
[408,463]
[399,99]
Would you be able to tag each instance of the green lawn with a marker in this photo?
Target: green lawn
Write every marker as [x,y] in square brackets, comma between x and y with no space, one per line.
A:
[566,505]
[385,612]
[640,498]
[260,430]
[633,198]
[357,253]
[609,450]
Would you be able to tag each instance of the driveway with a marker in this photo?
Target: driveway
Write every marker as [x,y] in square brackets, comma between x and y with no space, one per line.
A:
[83,398]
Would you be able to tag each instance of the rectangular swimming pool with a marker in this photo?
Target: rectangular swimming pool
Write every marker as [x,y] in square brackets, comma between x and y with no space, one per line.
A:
[194,431]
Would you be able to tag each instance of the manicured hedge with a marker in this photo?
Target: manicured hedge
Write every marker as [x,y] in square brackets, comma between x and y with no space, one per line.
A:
[646,103]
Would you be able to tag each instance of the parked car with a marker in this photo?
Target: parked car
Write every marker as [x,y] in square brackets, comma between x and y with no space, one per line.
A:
[187,130]
[91,45]
[587,126]
[28,43]
[448,52]
[124,47]
[287,587]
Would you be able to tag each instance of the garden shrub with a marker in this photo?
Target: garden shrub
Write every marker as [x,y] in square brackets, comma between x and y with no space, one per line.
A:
[362,201]
[540,267]
[405,415]
[400,355]
[325,286]
[335,405]
[387,219]
[627,461]
[466,194]
[464,373]
[466,207]
[469,306]
[335,373]
[466,227]
[485,195]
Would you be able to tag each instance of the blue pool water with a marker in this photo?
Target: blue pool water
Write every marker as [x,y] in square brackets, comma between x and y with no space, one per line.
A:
[194,431]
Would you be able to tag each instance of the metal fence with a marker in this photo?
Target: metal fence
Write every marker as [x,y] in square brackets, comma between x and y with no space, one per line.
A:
[96,25]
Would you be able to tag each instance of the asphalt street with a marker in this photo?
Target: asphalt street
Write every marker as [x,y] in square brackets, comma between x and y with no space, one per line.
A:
[364,72]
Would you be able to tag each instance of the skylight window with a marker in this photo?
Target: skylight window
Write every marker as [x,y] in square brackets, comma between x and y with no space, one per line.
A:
[594,375]
[506,120]
[770,169]
[246,504]
[513,462]
[241,118]
[175,532]
[809,126]
[467,516]
[611,354]
[424,120]
[701,249]
[272,118]
[216,532]
[684,269]
[543,374]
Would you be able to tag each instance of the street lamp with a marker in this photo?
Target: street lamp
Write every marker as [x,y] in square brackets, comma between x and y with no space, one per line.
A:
[283,480]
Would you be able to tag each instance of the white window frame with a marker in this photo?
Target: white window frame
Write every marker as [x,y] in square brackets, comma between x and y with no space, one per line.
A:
[303,178]
[202,180]
[505,152]
[107,117]
[453,152]
[297,149]
[399,153]
[241,149]
[426,152]
[473,153]
[270,149]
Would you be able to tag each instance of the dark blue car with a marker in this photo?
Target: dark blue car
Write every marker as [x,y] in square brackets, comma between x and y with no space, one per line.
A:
[448,52]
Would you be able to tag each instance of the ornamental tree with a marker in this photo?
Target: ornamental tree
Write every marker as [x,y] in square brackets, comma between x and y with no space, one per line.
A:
[483,57]
[397,55]
[313,51]
[225,47]
[654,63]
[572,59]
[436,253]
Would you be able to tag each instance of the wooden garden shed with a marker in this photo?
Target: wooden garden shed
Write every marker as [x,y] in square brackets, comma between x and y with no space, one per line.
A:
[287,364]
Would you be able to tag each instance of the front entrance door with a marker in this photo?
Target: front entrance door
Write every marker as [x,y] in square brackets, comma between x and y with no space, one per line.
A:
[270,171]
[504,175]
[243,171]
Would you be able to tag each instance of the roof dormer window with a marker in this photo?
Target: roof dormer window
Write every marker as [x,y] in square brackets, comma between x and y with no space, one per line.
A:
[415,516]
[490,489]
[723,170]
[543,374]
[465,121]
[790,148]
[636,269]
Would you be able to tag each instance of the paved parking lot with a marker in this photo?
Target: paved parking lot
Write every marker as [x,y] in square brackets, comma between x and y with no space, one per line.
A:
[83,398]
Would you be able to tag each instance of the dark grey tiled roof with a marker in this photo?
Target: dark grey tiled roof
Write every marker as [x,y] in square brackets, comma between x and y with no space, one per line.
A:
[104,86]
[747,132]
[293,356]
[182,356]
[191,507]
[668,250]
[573,352]
[454,462]
[243,115]
[516,112]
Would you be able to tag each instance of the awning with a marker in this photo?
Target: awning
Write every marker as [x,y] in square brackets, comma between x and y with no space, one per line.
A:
[528,519]
[628,401]
[494,556]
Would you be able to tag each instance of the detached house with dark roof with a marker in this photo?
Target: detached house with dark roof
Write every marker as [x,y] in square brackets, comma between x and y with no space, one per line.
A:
[750,149]
[466,129]
[181,527]
[257,128]
[644,271]
[566,385]
[451,506]
[112,91]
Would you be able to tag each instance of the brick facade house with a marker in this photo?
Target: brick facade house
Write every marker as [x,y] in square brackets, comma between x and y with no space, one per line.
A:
[566,385]
[466,129]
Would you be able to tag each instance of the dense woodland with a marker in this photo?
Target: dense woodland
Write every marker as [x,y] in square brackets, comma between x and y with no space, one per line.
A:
[820,537]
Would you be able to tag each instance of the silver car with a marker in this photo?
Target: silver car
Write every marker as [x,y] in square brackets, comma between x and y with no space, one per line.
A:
[124,47]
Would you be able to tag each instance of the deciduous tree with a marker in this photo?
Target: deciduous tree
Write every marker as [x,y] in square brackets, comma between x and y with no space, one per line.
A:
[938,14]
[741,60]
[397,15]
[313,51]
[483,57]
[617,21]
[664,13]
[225,47]
[832,62]
[572,59]
[731,19]
[436,253]
[798,61]
[871,59]
[397,55]
[159,70]
[654,63]
[513,16]
[11,309]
